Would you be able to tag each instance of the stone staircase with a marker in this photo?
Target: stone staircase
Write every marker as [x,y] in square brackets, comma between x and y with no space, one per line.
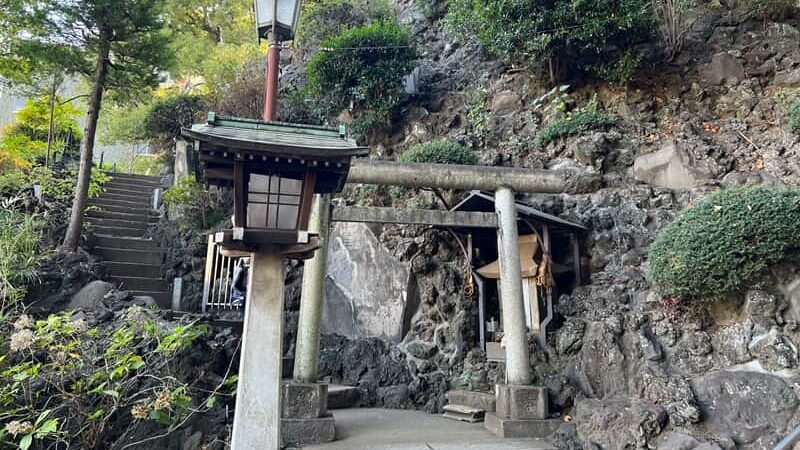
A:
[119,219]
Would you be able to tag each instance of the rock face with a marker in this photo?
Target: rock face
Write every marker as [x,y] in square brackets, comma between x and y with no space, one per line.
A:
[724,69]
[368,293]
[619,423]
[670,167]
[749,407]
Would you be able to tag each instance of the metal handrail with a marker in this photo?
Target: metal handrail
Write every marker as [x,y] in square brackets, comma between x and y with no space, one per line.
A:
[788,442]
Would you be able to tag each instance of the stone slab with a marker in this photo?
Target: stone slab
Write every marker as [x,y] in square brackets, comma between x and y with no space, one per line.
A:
[353,307]
[307,431]
[340,397]
[482,400]
[511,428]
[463,413]
[522,402]
[304,400]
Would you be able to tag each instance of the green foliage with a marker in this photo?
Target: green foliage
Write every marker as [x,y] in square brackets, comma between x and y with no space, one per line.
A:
[38,34]
[167,116]
[620,71]
[325,19]
[25,140]
[204,30]
[794,117]
[353,72]
[20,234]
[441,152]
[544,35]
[477,101]
[726,242]
[769,9]
[589,117]
[60,381]
[193,200]
[58,187]
[181,338]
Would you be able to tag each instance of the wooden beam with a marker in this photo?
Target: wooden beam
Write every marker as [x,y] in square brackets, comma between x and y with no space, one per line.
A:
[453,176]
[239,202]
[415,217]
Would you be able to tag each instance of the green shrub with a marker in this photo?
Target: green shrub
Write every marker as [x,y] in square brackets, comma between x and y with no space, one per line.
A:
[56,186]
[324,19]
[576,35]
[726,242]
[192,199]
[25,141]
[794,117]
[61,379]
[363,68]
[589,117]
[20,234]
[167,116]
[441,152]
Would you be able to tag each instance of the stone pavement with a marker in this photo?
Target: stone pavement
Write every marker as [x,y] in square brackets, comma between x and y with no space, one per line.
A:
[383,429]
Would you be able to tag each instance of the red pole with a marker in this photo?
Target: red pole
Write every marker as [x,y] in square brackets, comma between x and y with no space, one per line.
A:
[271,94]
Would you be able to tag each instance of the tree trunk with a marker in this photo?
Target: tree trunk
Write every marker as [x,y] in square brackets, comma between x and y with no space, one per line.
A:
[73,237]
[50,131]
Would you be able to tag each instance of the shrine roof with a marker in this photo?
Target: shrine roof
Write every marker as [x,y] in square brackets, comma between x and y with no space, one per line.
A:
[274,138]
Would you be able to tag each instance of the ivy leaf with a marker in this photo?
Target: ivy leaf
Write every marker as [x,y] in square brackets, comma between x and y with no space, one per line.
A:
[25,442]
[49,427]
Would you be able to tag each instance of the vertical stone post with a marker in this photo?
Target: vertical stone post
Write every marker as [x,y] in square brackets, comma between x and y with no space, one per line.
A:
[257,420]
[306,357]
[518,370]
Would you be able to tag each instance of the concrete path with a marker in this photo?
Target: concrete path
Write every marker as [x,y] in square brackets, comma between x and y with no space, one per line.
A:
[384,429]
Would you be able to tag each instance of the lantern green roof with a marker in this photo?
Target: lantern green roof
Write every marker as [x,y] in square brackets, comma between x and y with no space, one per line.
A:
[275,138]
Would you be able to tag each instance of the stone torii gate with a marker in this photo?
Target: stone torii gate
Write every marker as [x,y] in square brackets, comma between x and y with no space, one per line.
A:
[517,401]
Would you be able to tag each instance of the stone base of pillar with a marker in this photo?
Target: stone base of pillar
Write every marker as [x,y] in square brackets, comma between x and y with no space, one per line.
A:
[304,416]
[522,402]
[522,412]
[301,432]
[520,428]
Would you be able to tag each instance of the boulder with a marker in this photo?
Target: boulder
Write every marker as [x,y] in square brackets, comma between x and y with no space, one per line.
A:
[749,407]
[619,423]
[368,293]
[670,167]
[505,102]
[90,296]
[724,68]
[590,150]
[677,441]
[750,179]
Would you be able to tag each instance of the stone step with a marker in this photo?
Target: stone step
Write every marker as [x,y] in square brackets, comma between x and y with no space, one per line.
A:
[101,201]
[143,212]
[133,177]
[118,231]
[100,214]
[132,256]
[140,284]
[510,428]
[99,222]
[125,243]
[463,413]
[164,299]
[140,199]
[341,397]
[127,269]
[129,187]
[478,400]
